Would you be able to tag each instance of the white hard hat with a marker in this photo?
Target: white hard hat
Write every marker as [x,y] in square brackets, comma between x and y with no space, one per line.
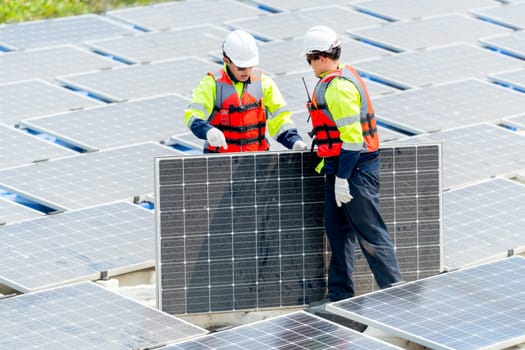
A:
[320,38]
[241,49]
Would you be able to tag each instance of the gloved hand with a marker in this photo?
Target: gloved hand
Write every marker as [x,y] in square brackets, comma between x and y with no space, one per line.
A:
[216,138]
[299,146]
[342,191]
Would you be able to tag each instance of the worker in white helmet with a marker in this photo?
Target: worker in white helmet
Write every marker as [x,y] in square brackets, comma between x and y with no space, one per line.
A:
[232,108]
[345,132]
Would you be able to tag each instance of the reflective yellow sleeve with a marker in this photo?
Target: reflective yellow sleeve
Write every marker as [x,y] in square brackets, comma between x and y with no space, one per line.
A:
[279,116]
[344,101]
[202,101]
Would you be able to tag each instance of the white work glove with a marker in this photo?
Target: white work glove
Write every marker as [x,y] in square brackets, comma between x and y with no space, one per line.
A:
[299,146]
[342,192]
[216,138]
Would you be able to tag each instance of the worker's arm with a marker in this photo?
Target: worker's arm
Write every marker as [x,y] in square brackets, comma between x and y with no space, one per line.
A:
[280,124]
[200,108]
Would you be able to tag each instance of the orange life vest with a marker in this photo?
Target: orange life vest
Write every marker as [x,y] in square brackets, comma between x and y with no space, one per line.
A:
[325,129]
[241,119]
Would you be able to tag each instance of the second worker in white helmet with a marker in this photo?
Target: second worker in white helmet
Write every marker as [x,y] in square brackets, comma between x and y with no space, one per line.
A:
[234,108]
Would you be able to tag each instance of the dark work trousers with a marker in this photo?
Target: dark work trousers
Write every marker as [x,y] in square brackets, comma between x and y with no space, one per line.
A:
[361,219]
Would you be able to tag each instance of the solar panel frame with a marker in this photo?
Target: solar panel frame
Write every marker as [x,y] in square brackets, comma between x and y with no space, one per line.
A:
[299,330]
[87,179]
[179,14]
[416,34]
[21,148]
[87,316]
[270,27]
[114,125]
[46,98]
[75,246]
[157,46]
[473,308]
[463,102]
[435,65]
[483,222]
[180,75]
[49,62]
[188,205]
[60,31]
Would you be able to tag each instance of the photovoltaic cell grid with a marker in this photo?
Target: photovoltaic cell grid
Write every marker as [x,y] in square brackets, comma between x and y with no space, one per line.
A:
[88,179]
[298,330]
[180,75]
[20,148]
[11,212]
[427,32]
[514,79]
[246,231]
[397,10]
[46,98]
[47,63]
[461,103]
[511,15]
[476,152]
[511,44]
[76,246]
[117,124]
[483,221]
[86,316]
[475,308]
[180,14]
[59,31]
[155,46]
[437,65]
[296,23]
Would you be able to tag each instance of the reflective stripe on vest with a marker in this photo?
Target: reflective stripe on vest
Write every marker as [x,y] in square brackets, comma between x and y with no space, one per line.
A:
[241,119]
[327,136]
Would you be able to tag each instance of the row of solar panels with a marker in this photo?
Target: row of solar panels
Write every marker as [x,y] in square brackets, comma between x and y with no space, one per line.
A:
[152,91]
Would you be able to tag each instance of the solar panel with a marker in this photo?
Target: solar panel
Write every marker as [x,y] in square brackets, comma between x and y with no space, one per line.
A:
[180,14]
[284,56]
[20,148]
[59,31]
[511,15]
[475,308]
[45,98]
[117,124]
[76,246]
[397,10]
[515,122]
[436,65]
[461,103]
[12,212]
[483,221]
[270,27]
[245,231]
[514,79]
[179,75]
[155,46]
[298,330]
[511,44]
[292,5]
[87,179]
[86,316]
[480,145]
[47,63]
[427,32]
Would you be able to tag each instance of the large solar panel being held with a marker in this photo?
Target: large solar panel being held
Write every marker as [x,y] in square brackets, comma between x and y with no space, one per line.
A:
[86,316]
[76,246]
[245,231]
[475,308]
[298,330]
